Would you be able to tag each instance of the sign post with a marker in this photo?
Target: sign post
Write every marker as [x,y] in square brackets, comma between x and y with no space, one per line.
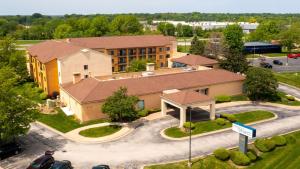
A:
[245,133]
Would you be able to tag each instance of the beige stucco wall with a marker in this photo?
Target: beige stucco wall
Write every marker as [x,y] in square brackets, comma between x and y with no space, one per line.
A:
[99,64]
[92,111]
[71,104]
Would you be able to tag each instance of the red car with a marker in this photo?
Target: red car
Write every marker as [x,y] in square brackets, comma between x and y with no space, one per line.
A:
[294,55]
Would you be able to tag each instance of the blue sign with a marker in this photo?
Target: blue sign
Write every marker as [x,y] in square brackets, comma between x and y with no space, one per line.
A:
[244,130]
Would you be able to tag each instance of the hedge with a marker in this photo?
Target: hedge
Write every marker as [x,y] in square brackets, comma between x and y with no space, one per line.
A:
[187,125]
[221,121]
[43,96]
[239,158]
[291,139]
[143,113]
[223,99]
[251,155]
[290,98]
[265,145]
[221,154]
[279,140]
[229,117]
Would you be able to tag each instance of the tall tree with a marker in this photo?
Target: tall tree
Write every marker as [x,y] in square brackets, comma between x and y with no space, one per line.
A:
[290,36]
[62,31]
[166,28]
[126,24]
[266,31]
[213,48]
[99,26]
[120,106]
[16,112]
[234,60]
[197,46]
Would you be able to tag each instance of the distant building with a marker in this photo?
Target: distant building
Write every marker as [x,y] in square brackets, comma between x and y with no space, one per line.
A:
[261,47]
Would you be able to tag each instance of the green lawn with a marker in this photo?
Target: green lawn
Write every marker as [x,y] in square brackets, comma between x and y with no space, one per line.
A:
[100,131]
[27,42]
[30,91]
[287,157]
[184,49]
[283,54]
[64,123]
[208,126]
[289,78]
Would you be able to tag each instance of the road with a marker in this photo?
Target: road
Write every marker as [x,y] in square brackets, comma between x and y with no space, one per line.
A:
[293,66]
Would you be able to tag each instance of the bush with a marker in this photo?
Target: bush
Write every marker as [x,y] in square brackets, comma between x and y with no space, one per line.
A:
[290,98]
[39,90]
[251,155]
[291,139]
[223,99]
[279,140]
[221,121]
[239,158]
[143,113]
[229,117]
[264,145]
[222,154]
[43,96]
[186,125]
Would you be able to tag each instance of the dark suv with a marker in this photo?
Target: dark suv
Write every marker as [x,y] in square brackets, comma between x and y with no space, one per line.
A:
[12,148]
[43,162]
[65,164]
[266,65]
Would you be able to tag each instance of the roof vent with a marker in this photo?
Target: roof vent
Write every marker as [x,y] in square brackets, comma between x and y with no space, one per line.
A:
[84,50]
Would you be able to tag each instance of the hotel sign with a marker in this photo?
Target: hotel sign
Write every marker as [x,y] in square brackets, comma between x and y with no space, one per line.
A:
[244,130]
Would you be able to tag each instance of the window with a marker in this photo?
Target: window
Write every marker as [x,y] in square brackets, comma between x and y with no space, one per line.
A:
[122,68]
[86,67]
[142,51]
[161,49]
[161,56]
[113,69]
[111,52]
[202,91]
[168,56]
[112,61]
[122,60]
[141,104]
[151,50]
[86,76]
[122,52]
[168,48]
[132,51]
[161,64]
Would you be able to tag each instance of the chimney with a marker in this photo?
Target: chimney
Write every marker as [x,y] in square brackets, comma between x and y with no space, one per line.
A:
[76,77]
[150,67]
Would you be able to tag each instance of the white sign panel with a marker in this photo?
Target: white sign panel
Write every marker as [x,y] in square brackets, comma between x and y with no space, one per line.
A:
[243,129]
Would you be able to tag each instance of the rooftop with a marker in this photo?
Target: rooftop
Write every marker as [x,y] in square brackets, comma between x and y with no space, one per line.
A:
[187,97]
[117,42]
[195,60]
[93,90]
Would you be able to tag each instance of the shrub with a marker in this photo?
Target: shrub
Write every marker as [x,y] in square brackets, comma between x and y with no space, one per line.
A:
[239,158]
[291,139]
[251,155]
[223,99]
[39,90]
[221,121]
[186,125]
[143,113]
[229,117]
[265,145]
[43,96]
[290,98]
[279,140]
[222,154]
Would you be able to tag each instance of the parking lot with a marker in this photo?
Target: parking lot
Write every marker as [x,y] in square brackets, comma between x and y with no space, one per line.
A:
[293,64]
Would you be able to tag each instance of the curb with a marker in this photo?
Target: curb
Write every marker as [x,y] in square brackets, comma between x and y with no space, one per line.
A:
[285,84]
[202,156]
[162,132]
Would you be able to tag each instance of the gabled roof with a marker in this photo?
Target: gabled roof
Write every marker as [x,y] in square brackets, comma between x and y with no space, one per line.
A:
[93,90]
[117,42]
[187,97]
[51,49]
[195,60]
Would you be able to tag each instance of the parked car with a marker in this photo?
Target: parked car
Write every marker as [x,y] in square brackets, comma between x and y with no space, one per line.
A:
[43,162]
[294,55]
[65,164]
[266,65]
[12,148]
[101,167]
[277,62]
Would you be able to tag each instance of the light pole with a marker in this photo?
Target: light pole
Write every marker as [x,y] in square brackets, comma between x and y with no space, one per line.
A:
[190,140]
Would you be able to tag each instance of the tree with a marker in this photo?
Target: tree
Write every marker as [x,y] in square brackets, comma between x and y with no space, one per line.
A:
[137,65]
[99,26]
[197,46]
[16,112]
[167,29]
[290,36]
[234,59]
[187,31]
[126,24]
[260,84]
[266,31]
[213,48]
[62,31]
[120,106]
[179,31]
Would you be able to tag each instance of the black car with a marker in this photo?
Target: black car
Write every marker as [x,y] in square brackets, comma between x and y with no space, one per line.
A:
[277,62]
[65,164]
[43,162]
[101,167]
[266,65]
[12,148]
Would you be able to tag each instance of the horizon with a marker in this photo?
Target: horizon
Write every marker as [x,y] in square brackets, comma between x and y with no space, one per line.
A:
[90,7]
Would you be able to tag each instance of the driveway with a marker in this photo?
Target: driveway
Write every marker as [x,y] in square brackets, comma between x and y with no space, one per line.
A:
[293,66]
[144,145]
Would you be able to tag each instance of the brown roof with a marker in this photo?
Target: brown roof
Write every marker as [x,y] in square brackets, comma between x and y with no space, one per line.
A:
[187,97]
[117,42]
[93,90]
[195,60]
[49,50]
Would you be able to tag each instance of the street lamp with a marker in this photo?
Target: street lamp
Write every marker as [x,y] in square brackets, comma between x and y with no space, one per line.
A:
[190,140]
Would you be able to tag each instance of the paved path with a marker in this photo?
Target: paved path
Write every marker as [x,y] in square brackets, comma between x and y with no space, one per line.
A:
[289,90]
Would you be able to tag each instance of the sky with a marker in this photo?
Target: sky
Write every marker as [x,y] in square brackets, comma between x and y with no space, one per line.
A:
[61,7]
